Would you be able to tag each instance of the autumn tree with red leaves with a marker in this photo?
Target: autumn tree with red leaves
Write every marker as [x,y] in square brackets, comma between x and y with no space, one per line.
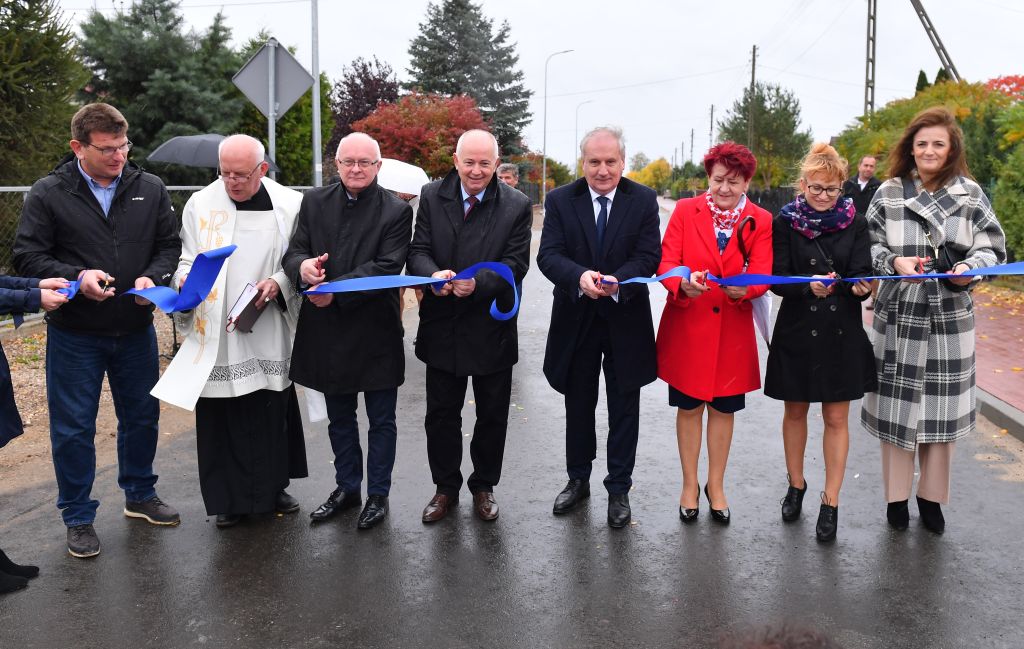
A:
[422,129]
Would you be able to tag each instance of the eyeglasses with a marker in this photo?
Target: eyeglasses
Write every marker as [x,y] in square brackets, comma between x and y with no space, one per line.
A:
[109,151]
[238,178]
[831,192]
[348,163]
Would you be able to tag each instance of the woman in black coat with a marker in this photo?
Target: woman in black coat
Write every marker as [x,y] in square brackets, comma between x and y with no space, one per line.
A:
[819,350]
[19,295]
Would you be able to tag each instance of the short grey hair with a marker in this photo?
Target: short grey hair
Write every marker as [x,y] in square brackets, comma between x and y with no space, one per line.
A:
[614,131]
[509,168]
[358,136]
[462,138]
[258,150]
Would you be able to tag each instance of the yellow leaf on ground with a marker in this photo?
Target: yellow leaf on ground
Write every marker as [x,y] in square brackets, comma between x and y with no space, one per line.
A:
[1018,369]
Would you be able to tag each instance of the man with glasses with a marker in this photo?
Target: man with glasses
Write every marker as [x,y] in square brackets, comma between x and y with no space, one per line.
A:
[465,218]
[248,430]
[348,343]
[101,220]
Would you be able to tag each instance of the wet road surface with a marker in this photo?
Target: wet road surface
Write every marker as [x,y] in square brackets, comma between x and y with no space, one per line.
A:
[530,579]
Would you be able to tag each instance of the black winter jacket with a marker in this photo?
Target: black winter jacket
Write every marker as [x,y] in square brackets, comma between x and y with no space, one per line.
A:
[63,231]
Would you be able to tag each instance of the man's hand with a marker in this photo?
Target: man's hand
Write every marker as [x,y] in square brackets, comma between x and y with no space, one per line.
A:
[589,284]
[312,270]
[54,283]
[141,283]
[608,290]
[957,278]
[319,299]
[695,286]
[445,289]
[50,299]
[463,287]
[910,266]
[181,282]
[95,284]
[268,291]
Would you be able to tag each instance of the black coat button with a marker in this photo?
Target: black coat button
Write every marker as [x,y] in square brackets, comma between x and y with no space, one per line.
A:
[714,309]
[814,261]
[839,331]
[814,307]
[814,332]
[832,307]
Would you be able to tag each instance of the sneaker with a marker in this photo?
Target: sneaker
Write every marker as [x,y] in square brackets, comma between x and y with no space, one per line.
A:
[153,510]
[83,542]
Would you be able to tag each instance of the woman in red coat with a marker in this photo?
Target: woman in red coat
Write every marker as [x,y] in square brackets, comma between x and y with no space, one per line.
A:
[707,351]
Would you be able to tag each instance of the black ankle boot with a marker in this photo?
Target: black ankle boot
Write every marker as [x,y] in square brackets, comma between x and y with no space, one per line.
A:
[793,501]
[828,520]
[11,568]
[931,515]
[10,583]
[898,514]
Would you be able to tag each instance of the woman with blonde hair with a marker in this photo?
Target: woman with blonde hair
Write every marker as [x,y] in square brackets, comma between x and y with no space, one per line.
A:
[929,216]
[819,351]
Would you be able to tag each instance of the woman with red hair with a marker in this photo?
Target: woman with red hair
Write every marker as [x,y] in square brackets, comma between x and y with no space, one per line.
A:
[707,350]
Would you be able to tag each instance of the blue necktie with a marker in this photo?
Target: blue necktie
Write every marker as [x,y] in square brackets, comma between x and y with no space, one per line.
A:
[602,222]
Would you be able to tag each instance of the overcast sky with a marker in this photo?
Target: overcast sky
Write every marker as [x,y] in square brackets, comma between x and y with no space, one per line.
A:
[655,67]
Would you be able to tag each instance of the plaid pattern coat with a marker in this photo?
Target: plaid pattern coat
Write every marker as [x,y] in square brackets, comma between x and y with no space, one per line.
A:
[924,333]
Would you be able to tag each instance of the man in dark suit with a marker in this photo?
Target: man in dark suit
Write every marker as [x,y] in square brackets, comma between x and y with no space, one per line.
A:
[599,230]
[465,218]
[348,343]
[861,188]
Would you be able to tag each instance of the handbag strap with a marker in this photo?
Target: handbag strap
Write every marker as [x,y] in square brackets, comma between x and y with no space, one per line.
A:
[827,258]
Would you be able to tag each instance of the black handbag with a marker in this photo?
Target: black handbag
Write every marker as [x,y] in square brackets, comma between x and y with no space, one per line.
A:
[945,258]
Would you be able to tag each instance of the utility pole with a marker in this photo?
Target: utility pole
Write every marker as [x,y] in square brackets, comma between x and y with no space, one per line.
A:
[933,36]
[711,128]
[691,145]
[682,152]
[750,101]
[869,71]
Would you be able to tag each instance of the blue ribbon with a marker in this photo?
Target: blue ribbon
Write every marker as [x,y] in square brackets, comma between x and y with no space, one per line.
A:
[399,281]
[197,286]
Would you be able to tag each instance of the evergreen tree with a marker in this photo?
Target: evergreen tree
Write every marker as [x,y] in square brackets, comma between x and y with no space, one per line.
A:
[922,82]
[39,75]
[363,86]
[941,76]
[165,81]
[458,52]
[778,141]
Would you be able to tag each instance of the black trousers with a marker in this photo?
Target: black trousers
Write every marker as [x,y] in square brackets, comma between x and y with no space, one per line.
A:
[593,352]
[446,394]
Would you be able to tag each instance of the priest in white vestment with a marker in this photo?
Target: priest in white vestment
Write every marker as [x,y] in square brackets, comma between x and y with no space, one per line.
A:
[249,433]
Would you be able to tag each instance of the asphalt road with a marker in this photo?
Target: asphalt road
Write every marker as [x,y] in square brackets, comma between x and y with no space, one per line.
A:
[530,579]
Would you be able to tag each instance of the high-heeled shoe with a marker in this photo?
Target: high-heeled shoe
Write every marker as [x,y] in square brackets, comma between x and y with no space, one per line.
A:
[793,502]
[688,515]
[828,520]
[718,515]
[931,515]
[898,515]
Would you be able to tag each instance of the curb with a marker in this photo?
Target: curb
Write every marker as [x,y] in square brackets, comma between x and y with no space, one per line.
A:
[1000,413]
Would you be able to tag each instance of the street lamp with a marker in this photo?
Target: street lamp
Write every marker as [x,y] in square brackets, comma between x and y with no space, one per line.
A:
[575,136]
[544,143]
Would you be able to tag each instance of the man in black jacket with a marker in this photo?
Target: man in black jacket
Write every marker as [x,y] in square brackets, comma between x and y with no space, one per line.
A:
[101,220]
[861,188]
[468,217]
[348,343]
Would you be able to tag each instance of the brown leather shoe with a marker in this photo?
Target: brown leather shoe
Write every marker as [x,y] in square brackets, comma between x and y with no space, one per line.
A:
[438,507]
[485,506]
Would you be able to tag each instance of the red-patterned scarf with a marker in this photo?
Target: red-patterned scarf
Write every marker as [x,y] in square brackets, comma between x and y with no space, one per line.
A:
[723,219]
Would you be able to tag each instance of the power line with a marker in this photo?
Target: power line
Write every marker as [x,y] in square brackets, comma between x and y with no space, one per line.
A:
[650,83]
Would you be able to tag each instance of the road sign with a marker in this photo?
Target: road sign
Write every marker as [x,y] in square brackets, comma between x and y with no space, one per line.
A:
[291,80]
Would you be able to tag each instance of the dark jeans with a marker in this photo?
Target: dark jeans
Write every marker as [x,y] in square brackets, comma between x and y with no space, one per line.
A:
[381,439]
[580,417]
[446,395]
[75,365]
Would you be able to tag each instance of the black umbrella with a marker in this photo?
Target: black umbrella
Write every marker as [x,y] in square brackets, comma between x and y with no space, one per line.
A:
[193,151]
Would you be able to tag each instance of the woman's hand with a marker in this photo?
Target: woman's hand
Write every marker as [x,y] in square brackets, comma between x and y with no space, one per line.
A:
[820,289]
[957,278]
[861,288]
[735,292]
[54,283]
[695,286]
[910,266]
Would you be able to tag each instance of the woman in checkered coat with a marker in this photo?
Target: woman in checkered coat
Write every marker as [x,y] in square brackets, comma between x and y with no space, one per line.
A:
[929,216]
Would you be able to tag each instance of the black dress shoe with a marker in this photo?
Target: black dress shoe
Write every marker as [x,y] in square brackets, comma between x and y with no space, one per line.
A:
[575,492]
[338,501]
[284,503]
[688,515]
[718,515]
[793,502]
[931,515]
[828,521]
[374,512]
[228,520]
[898,514]
[618,510]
